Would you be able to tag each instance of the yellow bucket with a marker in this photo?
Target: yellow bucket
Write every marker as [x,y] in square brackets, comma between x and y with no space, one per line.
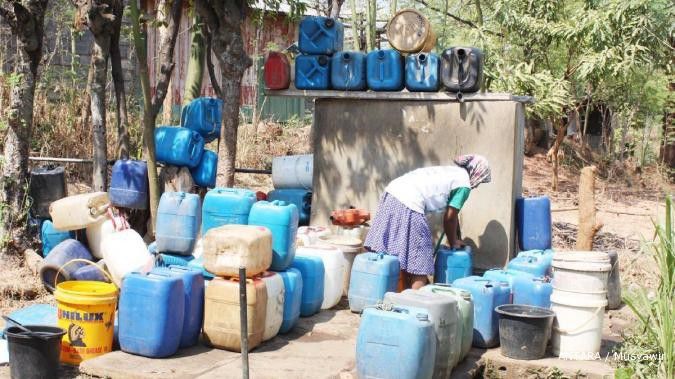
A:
[86,311]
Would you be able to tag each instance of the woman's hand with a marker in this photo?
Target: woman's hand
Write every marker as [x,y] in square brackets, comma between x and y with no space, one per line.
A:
[459,244]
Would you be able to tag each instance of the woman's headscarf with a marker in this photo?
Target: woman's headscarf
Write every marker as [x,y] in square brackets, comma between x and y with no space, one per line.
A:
[477,167]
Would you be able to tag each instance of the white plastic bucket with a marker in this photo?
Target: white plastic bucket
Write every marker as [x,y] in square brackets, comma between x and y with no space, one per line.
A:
[581,271]
[577,328]
[350,247]
[293,171]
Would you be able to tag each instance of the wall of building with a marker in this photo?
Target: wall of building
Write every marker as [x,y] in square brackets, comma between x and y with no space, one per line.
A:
[360,145]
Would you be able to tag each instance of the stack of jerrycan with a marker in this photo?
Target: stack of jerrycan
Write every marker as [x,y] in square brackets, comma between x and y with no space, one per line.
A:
[319,38]
[535,289]
[292,180]
[184,146]
[90,211]
[226,249]
[487,295]
[395,341]
[526,288]
[372,276]
[465,305]
[445,315]
[204,115]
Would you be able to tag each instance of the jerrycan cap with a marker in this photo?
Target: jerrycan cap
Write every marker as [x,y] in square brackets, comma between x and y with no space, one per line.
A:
[376,257]
[380,54]
[329,23]
[422,317]
[323,60]
[422,57]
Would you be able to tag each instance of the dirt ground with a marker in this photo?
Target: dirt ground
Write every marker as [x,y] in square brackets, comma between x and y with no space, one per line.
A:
[626,208]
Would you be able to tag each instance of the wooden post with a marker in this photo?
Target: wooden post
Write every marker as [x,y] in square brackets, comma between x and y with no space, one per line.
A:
[588,226]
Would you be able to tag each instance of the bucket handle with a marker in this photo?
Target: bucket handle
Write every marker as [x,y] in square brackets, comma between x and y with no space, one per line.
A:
[56,277]
[581,326]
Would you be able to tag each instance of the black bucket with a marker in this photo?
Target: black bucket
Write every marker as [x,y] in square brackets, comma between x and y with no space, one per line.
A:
[31,356]
[524,330]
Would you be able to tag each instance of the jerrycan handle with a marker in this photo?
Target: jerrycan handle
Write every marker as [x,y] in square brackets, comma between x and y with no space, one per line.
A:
[380,57]
[183,115]
[193,151]
[212,116]
[278,203]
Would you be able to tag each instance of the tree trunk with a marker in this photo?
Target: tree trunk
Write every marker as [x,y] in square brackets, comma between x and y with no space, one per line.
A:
[588,227]
[355,26]
[26,20]
[98,111]
[552,154]
[223,20]
[334,8]
[195,71]
[121,114]
[371,17]
[99,16]
[152,106]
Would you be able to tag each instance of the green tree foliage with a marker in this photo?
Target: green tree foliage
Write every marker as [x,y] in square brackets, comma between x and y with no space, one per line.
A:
[565,52]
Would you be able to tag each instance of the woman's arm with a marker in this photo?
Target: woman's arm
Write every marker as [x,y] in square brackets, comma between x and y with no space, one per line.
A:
[450,223]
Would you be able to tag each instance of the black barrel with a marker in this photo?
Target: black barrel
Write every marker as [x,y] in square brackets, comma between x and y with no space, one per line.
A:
[47,184]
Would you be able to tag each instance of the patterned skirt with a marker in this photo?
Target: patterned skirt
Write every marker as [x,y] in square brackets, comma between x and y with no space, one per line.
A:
[398,230]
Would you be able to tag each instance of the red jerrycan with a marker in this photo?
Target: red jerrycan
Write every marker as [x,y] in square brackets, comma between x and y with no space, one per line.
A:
[277,73]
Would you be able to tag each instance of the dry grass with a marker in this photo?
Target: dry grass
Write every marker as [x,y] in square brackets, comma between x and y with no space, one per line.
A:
[61,128]
[258,146]
[19,287]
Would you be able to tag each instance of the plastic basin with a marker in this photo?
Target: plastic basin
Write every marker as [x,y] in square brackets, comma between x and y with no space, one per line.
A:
[524,330]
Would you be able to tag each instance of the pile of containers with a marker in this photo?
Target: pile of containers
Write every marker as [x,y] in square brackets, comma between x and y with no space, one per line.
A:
[292,179]
[282,283]
[98,217]
[433,333]
[184,146]
[410,64]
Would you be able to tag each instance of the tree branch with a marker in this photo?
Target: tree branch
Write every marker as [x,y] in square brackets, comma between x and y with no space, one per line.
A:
[457,18]
[166,49]
[209,65]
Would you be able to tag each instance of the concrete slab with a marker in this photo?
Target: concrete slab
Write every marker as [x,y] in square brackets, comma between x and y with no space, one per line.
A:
[321,346]
[498,366]
[360,145]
